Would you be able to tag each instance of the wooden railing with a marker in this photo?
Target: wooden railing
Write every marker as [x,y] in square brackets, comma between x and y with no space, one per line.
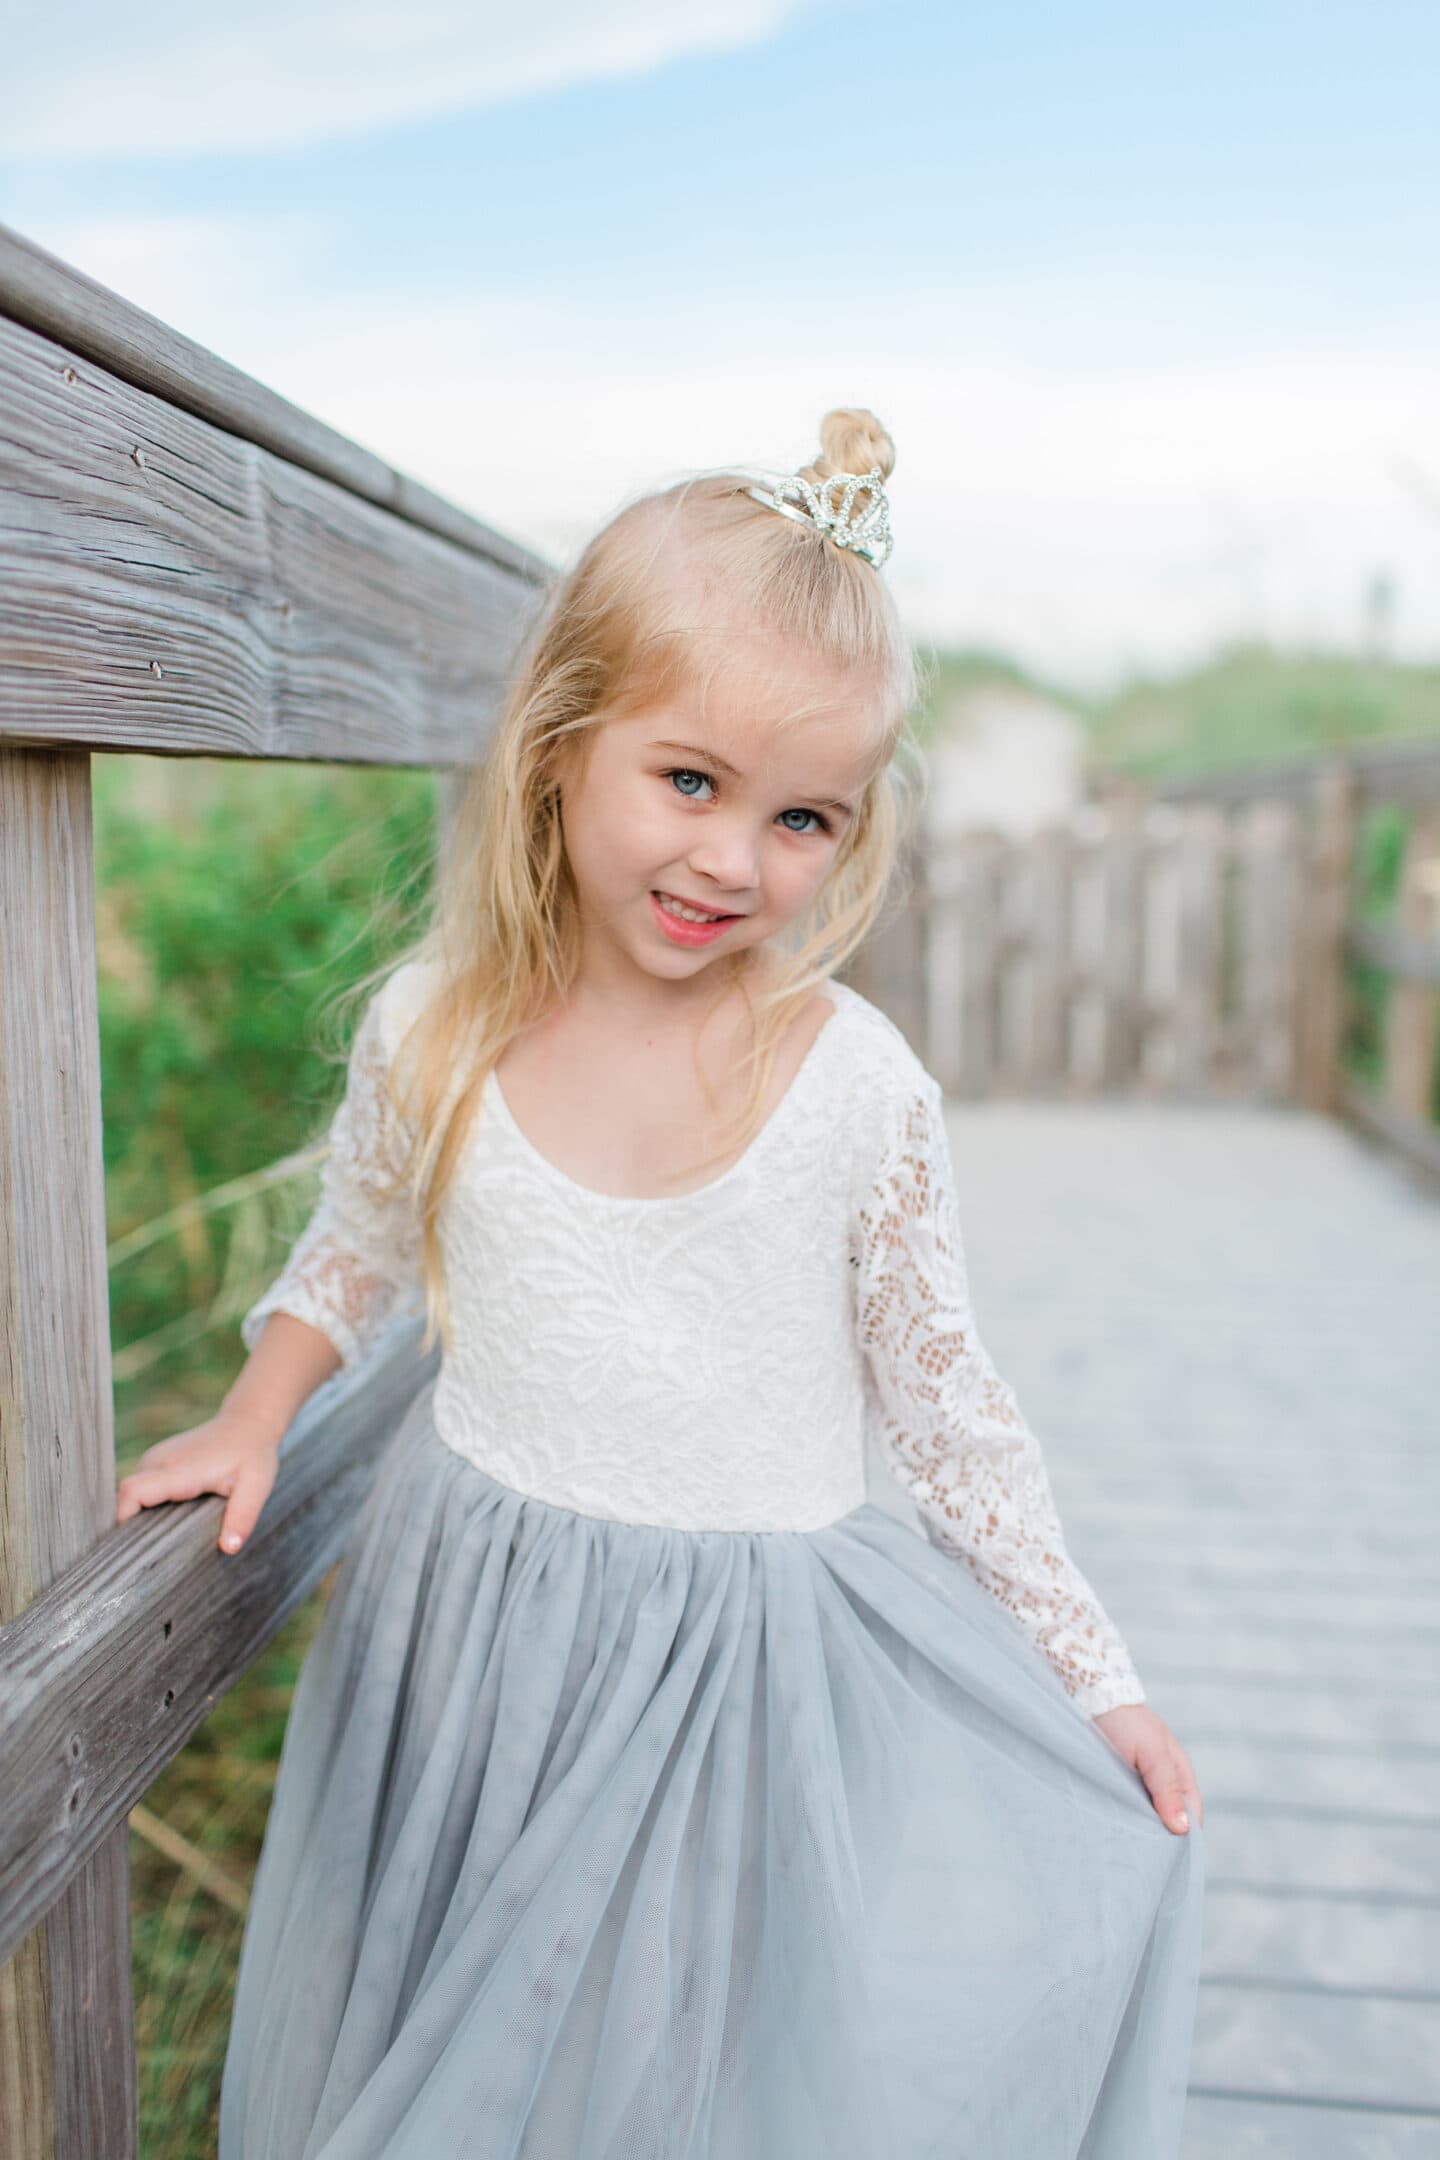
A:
[188,566]
[1194,939]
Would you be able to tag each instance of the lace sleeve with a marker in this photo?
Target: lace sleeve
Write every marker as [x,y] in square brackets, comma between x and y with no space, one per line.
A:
[951,1429]
[358,1257]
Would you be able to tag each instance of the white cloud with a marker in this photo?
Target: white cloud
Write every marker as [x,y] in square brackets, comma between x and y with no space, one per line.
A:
[172,79]
[1084,516]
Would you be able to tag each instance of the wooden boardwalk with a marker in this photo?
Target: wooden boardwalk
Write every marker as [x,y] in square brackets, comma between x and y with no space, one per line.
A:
[1224,1324]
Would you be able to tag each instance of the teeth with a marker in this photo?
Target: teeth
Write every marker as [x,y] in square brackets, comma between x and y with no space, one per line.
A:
[686,914]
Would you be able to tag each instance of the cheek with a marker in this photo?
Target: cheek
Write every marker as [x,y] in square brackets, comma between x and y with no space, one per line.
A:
[796,874]
[610,826]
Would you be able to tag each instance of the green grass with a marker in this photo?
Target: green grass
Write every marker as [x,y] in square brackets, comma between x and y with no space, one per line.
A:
[1257,705]
[1251,704]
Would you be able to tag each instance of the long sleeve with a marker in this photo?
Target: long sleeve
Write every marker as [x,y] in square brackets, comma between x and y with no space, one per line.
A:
[358,1257]
[951,1429]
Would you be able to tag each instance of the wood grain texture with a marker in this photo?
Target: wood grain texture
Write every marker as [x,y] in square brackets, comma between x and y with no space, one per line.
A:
[45,293]
[168,586]
[1334,814]
[106,1675]
[66,2029]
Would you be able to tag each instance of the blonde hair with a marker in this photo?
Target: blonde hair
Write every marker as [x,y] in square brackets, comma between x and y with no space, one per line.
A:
[615,631]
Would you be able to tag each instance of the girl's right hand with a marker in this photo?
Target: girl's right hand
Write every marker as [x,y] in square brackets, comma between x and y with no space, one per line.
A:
[224,1455]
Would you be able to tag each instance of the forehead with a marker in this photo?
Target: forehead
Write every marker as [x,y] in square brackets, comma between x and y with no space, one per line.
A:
[770,715]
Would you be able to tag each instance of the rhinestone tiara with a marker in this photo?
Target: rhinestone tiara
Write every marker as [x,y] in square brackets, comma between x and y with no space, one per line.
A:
[867,533]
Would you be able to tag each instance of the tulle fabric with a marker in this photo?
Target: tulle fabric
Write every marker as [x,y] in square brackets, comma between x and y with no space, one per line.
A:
[598,1841]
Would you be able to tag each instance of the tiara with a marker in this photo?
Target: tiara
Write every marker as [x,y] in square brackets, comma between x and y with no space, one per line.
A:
[868,534]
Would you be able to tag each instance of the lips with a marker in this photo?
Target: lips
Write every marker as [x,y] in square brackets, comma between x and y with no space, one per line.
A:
[681,932]
[719,914]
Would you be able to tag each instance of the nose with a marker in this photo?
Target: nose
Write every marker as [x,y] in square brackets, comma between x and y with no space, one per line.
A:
[726,856]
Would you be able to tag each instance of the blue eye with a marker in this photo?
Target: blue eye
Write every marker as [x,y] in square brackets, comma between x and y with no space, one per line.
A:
[676,773]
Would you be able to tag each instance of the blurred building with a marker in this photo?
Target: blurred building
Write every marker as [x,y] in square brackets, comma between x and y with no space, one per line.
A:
[1003,755]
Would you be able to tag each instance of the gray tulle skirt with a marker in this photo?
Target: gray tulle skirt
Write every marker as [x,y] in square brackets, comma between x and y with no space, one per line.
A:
[597,1841]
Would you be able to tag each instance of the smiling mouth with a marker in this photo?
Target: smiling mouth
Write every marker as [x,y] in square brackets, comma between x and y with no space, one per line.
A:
[683,911]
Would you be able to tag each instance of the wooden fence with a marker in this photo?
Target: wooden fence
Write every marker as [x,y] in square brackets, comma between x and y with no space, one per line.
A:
[1198,939]
[190,566]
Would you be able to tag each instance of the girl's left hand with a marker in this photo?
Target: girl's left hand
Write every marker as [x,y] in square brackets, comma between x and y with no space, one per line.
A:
[1146,1742]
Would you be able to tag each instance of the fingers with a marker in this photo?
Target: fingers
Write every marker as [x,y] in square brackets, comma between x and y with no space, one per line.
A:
[1168,1795]
[1171,1785]
[1152,1749]
[1190,1786]
[242,1510]
[147,1488]
[245,1488]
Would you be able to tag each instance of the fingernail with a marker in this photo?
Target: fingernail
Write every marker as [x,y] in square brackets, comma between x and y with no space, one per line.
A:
[1183,1819]
[231,1541]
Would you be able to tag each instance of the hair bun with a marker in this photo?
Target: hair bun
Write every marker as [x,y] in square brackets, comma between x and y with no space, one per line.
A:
[851,441]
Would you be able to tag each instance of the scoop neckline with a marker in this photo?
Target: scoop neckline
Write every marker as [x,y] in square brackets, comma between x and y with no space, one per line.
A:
[841,993]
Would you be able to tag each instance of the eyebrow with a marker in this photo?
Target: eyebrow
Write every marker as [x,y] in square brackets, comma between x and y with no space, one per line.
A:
[713,757]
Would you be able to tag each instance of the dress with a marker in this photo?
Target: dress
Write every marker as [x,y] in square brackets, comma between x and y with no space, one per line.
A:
[649,1792]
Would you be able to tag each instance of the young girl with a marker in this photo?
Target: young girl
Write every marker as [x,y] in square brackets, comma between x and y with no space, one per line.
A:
[650,1793]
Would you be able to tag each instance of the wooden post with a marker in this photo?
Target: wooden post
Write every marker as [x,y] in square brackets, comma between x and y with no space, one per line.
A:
[67,2048]
[1048,1046]
[1268,843]
[1122,1020]
[1325,920]
[982,857]
[1200,874]
[1411,1017]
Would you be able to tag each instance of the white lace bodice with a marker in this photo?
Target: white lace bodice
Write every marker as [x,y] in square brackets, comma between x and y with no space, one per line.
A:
[713,1360]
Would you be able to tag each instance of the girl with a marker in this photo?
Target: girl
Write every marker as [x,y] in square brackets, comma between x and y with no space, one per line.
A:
[649,1793]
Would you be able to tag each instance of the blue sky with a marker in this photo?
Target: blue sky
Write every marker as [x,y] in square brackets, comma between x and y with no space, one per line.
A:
[1149,305]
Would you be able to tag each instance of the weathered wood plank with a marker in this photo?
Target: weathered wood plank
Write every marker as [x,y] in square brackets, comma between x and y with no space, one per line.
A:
[106,1675]
[1221,1323]
[1259,1610]
[1048,1067]
[1270,841]
[1407,770]
[1404,1728]
[1341,1661]
[1324,1005]
[1122,1027]
[1410,1021]
[66,2024]
[49,295]
[1287,2044]
[1219,2127]
[171,587]
[1309,1777]
[1200,852]
[1289,1850]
